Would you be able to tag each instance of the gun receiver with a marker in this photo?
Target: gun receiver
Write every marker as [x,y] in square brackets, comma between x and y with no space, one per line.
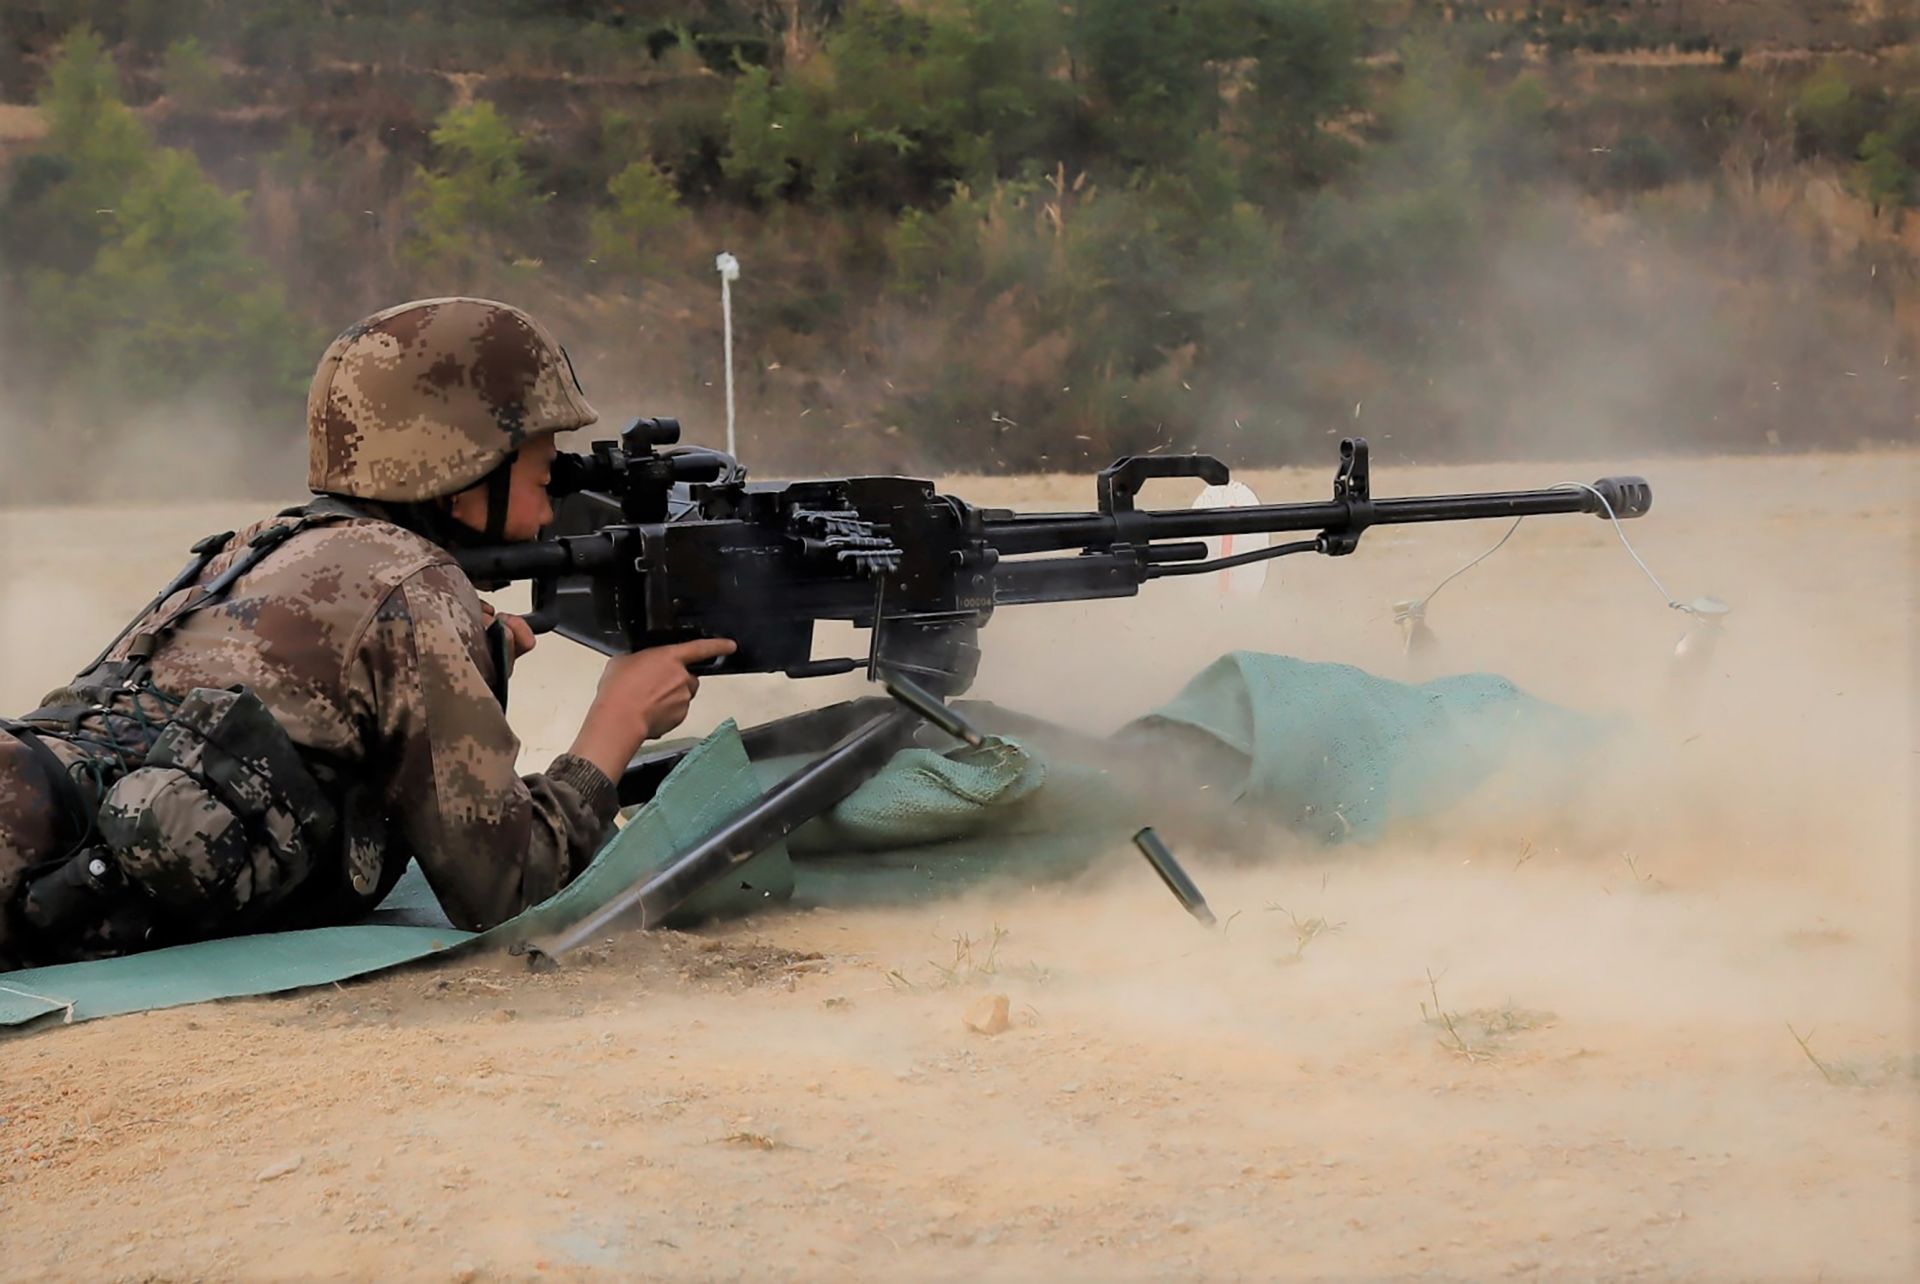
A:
[656,543]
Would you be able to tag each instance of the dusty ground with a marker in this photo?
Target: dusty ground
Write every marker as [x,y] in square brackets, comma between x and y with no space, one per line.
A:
[1611,1088]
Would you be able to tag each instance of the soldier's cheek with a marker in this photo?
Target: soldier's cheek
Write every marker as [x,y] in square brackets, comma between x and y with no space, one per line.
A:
[532,517]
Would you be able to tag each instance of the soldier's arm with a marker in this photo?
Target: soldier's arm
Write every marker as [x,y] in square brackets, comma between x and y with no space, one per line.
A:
[491,841]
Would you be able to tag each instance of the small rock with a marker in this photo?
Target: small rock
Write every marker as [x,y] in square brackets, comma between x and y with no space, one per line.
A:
[987,1015]
[278,1169]
[502,1015]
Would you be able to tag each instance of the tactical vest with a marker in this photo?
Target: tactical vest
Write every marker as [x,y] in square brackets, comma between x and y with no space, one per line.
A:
[198,816]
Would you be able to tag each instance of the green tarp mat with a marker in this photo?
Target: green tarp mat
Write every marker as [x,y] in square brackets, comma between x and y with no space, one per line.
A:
[1328,751]
[712,782]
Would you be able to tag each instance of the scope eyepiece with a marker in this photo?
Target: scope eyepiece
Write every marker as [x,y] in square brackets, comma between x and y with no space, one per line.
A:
[572,474]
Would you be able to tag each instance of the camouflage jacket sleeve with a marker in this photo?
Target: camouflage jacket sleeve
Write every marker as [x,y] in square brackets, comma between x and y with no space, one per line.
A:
[491,842]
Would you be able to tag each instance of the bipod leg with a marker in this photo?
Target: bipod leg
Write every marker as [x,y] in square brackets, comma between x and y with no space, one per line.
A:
[814,788]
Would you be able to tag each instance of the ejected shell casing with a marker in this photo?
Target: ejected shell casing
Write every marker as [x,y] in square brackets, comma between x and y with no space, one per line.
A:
[1173,876]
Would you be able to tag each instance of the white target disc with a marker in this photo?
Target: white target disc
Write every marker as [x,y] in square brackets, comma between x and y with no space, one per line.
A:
[1238,581]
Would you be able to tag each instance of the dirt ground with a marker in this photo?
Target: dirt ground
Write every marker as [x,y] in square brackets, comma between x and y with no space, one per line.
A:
[1666,1032]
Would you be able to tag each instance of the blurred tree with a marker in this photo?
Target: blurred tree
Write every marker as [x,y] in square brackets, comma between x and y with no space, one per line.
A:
[1305,74]
[154,26]
[1153,69]
[190,79]
[1830,118]
[132,264]
[1889,170]
[476,202]
[901,103]
[644,219]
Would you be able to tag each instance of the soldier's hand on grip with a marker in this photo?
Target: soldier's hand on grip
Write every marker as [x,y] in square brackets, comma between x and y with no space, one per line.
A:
[519,632]
[652,689]
[642,696]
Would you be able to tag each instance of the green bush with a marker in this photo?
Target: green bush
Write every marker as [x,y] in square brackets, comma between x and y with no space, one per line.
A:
[1153,72]
[1640,163]
[190,79]
[645,214]
[902,103]
[686,135]
[1830,118]
[476,203]
[1889,170]
[154,27]
[1306,73]
[905,101]
[758,161]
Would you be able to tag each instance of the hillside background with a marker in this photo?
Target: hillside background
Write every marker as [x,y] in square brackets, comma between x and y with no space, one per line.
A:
[976,234]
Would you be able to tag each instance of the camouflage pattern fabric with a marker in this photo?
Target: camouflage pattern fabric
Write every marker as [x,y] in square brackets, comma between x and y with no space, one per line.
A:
[224,819]
[427,398]
[27,828]
[367,644]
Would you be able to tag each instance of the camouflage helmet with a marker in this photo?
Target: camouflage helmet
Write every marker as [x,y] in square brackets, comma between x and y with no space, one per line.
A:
[428,398]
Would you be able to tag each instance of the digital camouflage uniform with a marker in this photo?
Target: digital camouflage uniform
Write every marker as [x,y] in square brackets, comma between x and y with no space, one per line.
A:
[367,644]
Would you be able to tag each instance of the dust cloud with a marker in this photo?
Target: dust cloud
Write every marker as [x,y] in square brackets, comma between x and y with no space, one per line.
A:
[1658,1021]
[1541,1034]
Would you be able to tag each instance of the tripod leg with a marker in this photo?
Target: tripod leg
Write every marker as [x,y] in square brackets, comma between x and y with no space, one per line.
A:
[794,801]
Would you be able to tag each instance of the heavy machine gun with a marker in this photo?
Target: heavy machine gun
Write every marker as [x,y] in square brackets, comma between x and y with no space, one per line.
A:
[655,543]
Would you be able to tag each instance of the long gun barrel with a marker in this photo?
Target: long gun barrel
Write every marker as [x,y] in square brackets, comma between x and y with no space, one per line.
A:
[1040,532]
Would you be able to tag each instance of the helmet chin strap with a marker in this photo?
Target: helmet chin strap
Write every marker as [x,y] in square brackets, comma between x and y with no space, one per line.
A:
[499,495]
[434,519]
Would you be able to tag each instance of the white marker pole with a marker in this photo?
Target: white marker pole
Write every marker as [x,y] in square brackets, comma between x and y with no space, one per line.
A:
[729,269]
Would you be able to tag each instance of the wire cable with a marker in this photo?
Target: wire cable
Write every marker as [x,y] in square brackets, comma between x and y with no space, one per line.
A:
[1627,544]
[1417,605]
